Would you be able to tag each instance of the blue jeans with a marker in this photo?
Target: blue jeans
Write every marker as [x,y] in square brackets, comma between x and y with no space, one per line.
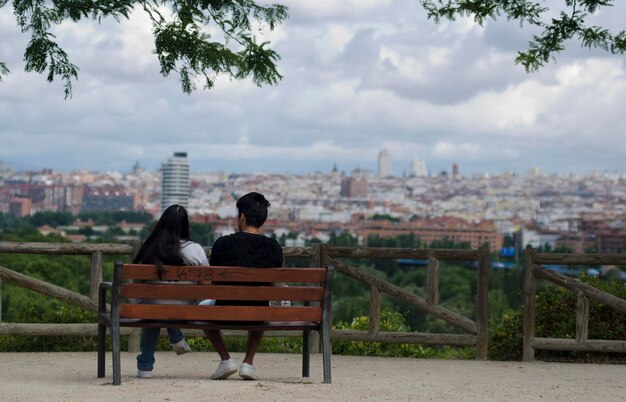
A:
[149,341]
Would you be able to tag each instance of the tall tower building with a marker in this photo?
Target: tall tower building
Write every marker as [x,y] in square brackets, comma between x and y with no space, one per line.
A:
[175,181]
[417,168]
[455,169]
[384,163]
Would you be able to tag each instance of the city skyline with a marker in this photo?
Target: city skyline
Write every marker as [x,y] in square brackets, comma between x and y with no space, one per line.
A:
[358,77]
[413,168]
[572,211]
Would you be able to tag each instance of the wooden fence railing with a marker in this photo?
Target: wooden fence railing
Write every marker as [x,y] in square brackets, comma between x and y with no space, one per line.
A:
[319,255]
[90,303]
[475,331]
[533,269]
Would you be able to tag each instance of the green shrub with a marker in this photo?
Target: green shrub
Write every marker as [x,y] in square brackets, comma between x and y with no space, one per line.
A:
[506,337]
[56,312]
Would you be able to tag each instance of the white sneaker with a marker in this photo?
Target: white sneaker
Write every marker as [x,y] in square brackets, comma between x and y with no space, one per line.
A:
[144,374]
[247,372]
[181,347]
[225,369]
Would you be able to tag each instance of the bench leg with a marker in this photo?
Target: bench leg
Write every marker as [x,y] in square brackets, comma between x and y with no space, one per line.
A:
[326,350]
[102,330]
[115,336]
[306,353]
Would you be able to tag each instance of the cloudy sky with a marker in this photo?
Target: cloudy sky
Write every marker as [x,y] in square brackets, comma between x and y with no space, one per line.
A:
[359,76]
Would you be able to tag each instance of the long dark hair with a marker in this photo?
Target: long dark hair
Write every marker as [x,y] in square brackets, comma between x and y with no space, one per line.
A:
[162,246]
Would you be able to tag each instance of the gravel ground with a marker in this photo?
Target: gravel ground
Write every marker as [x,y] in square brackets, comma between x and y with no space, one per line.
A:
[72,377]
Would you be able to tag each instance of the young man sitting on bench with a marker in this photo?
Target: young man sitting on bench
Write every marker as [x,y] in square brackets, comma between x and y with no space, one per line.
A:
[246,248]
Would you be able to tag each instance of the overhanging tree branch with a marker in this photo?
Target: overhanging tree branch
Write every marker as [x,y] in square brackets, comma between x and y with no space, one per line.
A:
[570,24]
[181,41]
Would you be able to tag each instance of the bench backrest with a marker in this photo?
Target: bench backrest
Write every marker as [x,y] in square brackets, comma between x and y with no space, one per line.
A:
[309,290]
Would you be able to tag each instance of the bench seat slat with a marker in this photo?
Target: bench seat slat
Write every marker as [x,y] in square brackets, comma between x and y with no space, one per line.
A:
[272,326]
[225,274]
[221,292]
[219,313]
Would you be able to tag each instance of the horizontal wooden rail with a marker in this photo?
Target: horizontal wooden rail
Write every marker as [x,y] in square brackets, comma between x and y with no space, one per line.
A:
[578,286]
[579,259]
[573,345]
[21,329]
[404,337]
[48,289]
[54,329]
[393,253]
[64,248]
[410,298]
[298,252]
[109,249]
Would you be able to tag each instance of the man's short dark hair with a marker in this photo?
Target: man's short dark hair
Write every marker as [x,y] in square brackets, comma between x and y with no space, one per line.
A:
[254,207]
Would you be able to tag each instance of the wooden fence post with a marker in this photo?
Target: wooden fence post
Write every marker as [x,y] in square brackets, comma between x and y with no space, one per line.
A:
[374,316]
[482,303]
[432,280]
[528,351]
[582,318]
[96,274]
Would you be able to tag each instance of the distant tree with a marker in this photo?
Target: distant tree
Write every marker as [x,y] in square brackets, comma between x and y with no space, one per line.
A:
[51,218]
[201,233]
[448,243]
[86,231]
[11,224]
[559,24]
[282,239]
[384,217]
[563,249]
[401,241]
[114,217]
[343,239]
[180,38]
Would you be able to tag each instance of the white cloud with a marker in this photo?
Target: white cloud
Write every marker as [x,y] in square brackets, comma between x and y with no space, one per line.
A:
[333,40]
[324,9]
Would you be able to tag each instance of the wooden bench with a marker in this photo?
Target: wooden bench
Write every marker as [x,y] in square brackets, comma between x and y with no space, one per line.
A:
[308,289]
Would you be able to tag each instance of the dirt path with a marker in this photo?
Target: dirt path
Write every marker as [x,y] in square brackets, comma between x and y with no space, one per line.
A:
[72,377]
